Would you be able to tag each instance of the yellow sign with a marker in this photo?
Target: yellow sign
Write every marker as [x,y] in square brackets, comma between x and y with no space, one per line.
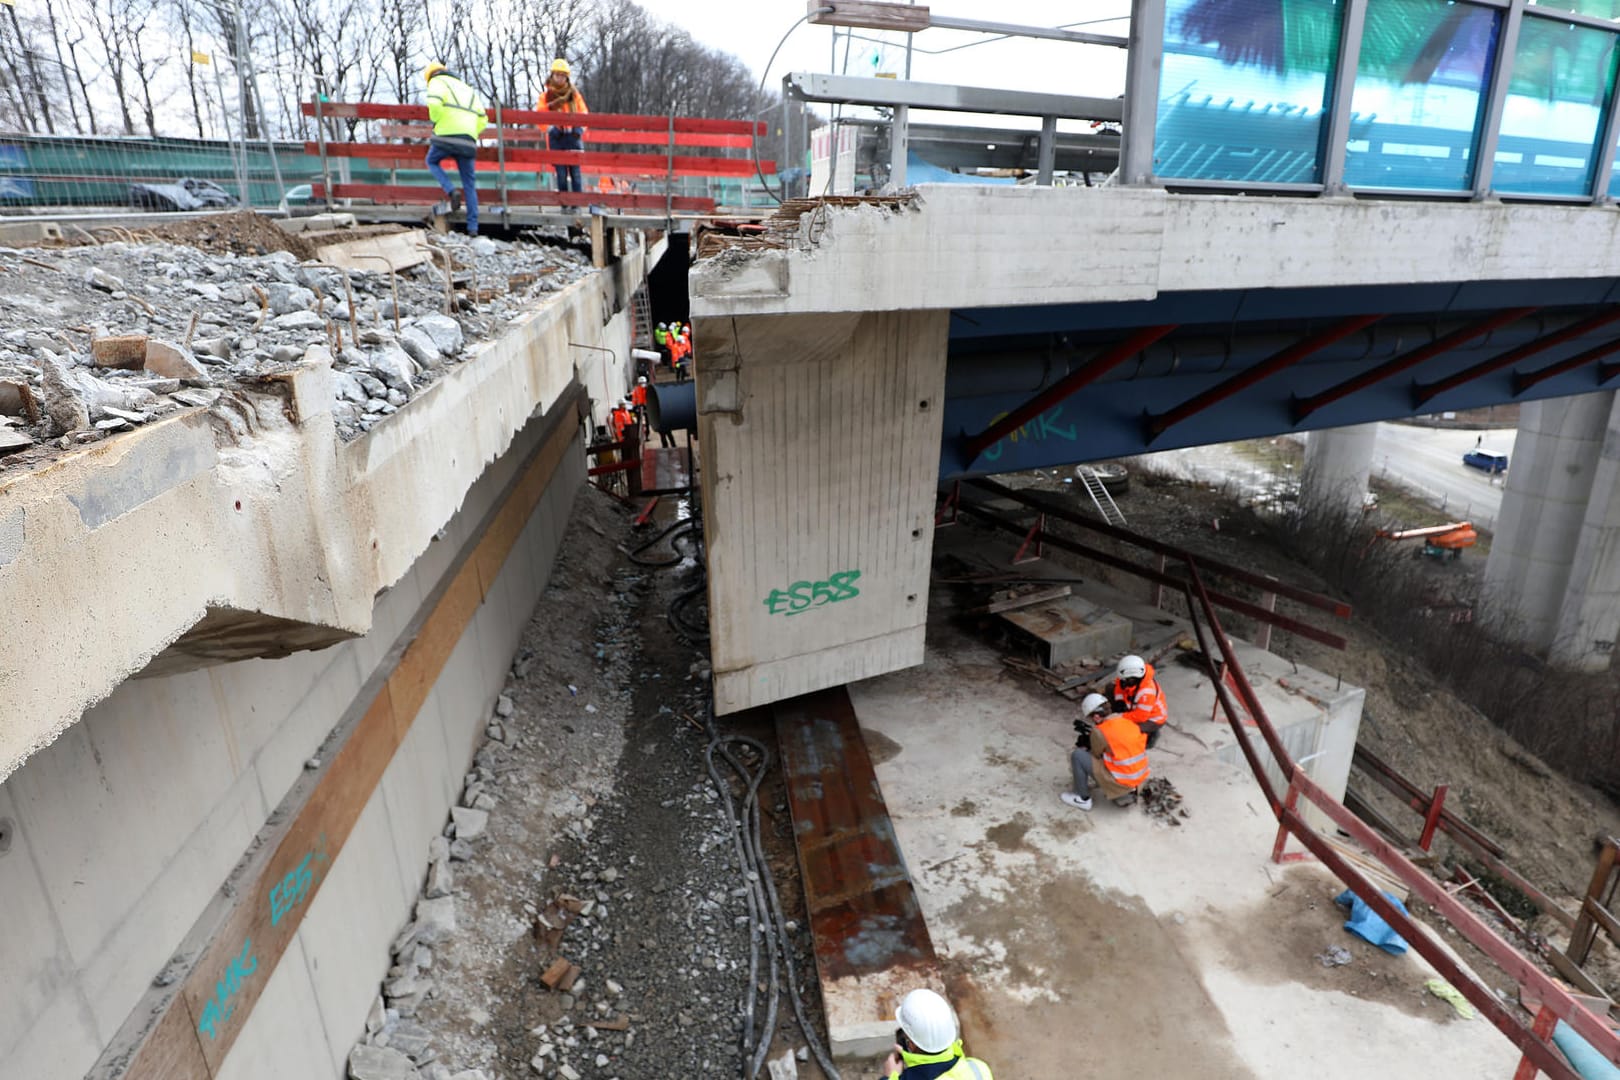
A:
[196,57]
[9,3]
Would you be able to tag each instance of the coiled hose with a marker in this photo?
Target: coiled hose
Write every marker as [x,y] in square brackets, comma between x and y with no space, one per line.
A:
[764,906]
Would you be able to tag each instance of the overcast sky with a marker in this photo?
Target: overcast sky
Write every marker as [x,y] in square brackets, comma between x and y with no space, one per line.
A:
[750,29]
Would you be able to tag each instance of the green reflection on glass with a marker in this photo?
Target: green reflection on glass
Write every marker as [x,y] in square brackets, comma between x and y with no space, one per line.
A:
[1558,97]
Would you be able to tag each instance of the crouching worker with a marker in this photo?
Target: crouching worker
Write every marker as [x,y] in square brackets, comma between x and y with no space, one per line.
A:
[1110,752]
[1137,695]
[927,1046]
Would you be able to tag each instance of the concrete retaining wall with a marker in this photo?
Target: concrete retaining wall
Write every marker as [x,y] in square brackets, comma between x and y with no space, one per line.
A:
[123,829]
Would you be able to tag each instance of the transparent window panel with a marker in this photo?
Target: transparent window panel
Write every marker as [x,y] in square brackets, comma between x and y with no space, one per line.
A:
[1600,9]
[1419,94]
[1563,78]
[1243,88]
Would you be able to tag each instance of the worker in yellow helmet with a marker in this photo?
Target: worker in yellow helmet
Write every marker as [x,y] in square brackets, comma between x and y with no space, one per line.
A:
[561,95]
[459,116]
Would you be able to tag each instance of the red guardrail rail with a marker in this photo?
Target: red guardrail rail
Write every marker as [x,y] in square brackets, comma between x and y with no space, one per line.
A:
[516,144]
[1557,1002]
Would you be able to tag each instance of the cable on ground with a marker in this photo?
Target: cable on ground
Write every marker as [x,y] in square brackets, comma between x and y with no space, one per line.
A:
[764,905]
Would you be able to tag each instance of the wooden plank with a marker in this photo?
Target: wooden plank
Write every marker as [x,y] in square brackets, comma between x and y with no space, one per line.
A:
[1573,973]
[426,196]
[248,931]
[1039,596]
[397,251]
[871,16]
[617,121]
[598,242]
[595,161]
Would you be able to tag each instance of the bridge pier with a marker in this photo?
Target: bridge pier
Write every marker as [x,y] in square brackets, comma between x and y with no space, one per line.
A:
[820,441]
[1553,576]
[1337,464]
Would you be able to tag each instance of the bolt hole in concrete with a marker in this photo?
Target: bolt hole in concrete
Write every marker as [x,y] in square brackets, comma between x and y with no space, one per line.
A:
[922,405]
[239,504]
[911,599]
[916,534]
[5,835]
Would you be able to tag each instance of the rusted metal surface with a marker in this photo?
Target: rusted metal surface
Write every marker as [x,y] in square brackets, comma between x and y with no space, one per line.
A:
[864,914]
[1553,994]
[1337,608]
[1231,603]
[1422,392]
[665,470]
[1399,786]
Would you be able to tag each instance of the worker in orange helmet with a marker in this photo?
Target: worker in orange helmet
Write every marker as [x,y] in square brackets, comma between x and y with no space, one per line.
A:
[1137,696]
[561,95]
[1110,752]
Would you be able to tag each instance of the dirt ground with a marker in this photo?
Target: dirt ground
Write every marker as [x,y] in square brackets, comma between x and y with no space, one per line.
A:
[603,796]
[1547,824]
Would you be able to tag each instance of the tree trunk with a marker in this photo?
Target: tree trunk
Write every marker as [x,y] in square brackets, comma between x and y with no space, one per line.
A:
[33,71]
[67,88]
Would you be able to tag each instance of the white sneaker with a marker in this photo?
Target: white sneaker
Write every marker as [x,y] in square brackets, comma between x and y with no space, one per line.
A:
[1074,800]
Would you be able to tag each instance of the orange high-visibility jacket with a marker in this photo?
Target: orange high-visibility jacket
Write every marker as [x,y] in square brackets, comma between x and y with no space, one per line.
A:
[622,419]
[638,396]
[1147,705]
[1126,758]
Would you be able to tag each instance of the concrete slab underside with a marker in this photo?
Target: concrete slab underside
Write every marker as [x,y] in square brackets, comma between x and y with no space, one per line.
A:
[1049,919]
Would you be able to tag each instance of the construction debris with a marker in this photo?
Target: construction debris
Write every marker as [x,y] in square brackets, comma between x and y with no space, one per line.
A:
[96,339]
[1161,800]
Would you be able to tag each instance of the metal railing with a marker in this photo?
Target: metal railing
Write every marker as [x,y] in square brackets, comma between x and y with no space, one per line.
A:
[1236,698]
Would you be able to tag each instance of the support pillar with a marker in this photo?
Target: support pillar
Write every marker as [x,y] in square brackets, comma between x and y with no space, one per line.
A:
[1337,463]
[820,443]
[1589,618]
[1530,577]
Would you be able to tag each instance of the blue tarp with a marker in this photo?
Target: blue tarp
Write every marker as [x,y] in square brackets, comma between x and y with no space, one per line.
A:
[1366,923]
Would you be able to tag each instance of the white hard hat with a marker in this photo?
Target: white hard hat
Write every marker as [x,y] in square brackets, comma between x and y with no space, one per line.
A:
[641,380]
[1131,667]
[1092,703]
[928,1020]
[624,402]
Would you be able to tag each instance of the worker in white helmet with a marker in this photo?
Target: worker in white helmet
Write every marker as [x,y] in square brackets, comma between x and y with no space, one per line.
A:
[1110,752]
[1137,695]
[927,1047]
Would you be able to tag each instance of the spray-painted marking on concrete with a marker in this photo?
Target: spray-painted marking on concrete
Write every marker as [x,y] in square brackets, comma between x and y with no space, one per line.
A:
[1043,427]
[291,890]
[220,1006]
[802,596]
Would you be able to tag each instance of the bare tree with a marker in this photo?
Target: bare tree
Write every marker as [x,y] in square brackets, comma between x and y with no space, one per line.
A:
[187,21]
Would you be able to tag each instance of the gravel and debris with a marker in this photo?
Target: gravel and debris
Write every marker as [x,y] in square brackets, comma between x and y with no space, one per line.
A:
[1161,800]
[583,914]
[99,339]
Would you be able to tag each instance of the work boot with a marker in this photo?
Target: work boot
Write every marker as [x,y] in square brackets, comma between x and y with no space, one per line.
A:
[1076,800]
[1126,800]
[455,202]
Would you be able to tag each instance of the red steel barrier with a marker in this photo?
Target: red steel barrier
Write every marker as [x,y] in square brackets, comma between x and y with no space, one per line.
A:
[1557,1001]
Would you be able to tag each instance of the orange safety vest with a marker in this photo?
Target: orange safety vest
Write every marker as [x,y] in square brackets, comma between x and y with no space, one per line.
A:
[1126,758]
[561,99]
[638,396]
[678,348]
[1146,706]
[622,418]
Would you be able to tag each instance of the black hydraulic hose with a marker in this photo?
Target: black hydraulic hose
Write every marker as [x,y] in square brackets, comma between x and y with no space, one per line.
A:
[679,528]
[684,622]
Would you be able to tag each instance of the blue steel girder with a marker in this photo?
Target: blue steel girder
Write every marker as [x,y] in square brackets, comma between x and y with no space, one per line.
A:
[1001,359]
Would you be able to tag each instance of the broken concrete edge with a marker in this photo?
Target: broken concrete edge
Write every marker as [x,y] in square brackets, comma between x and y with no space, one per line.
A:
[973,246]
[326,800]
[282,520]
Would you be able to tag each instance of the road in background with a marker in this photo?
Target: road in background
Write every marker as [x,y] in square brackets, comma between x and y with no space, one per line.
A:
[1429,462]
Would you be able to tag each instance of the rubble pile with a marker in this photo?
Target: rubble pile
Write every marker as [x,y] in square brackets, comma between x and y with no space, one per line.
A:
[98,339]
[1161,800]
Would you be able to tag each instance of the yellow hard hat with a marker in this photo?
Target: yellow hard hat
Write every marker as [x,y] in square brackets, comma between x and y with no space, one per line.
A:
[431,70]
[561,65]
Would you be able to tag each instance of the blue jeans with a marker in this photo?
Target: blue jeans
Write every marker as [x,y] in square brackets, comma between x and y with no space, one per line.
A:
[469,179]
[567,139]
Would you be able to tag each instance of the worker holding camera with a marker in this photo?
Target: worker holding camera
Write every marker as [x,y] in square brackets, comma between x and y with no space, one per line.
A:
[1110,751]
[927,1046]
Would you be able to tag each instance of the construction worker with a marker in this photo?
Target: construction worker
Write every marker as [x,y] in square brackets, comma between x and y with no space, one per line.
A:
[561,95]
[661,340]
[1110,751]
[682,345]
[622,418]
[638,398]
[1137,695]
[927,1046]
[459,117]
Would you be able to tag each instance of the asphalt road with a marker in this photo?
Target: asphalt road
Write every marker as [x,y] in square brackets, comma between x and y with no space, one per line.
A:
[1429,461]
